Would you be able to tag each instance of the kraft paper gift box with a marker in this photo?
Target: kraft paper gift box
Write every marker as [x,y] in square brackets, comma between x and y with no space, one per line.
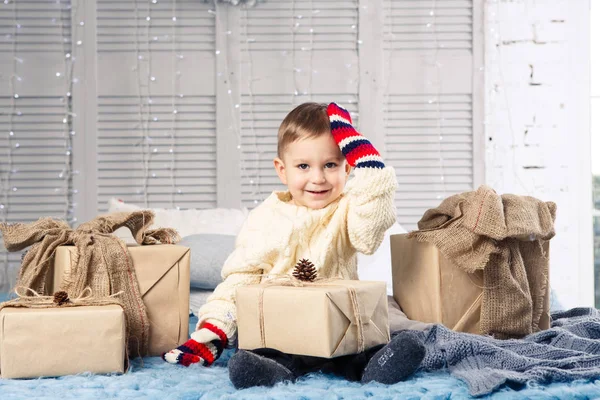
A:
[59,341]
[163,273]
[429,287]
[315,320]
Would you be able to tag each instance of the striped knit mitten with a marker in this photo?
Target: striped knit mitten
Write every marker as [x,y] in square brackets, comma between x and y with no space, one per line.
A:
[357,149]
[205,346]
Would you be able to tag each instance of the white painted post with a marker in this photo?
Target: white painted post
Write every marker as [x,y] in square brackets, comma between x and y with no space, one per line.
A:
[85,106]
[228,119]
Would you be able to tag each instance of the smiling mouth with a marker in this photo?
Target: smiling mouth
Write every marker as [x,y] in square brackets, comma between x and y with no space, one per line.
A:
[317,191]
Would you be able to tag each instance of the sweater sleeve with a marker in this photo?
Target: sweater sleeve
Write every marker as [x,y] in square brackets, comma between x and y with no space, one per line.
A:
[244,266]
[371,208]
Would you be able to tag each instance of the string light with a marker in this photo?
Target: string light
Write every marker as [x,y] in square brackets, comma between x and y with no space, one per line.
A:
[143,109]
[68,65]
[145,82]
[293,28]
[254,183]
[433,95]
[8,180]
[301,21]
[175,67]
[311,48]
[235,126]
[440,119]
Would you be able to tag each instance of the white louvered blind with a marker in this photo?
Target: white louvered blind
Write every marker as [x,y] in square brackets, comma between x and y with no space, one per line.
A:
[291,52]
[158,107]
[156,103]
[34,141]
[430,121]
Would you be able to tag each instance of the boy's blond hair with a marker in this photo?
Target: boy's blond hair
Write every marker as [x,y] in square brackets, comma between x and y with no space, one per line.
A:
[308,120]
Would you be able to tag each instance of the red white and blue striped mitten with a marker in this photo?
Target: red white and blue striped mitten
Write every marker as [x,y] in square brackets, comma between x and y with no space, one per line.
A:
[357,149]
[205,346]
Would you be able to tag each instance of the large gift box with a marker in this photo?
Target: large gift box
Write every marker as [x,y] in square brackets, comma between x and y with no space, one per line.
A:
[429,287]
[329,319]
[163,273]
[58,341]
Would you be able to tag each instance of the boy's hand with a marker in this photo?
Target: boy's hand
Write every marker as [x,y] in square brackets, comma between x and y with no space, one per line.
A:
[357,149]
[205,346]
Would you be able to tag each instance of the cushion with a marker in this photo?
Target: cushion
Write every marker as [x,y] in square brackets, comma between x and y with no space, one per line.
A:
[223,221]
[198,299]
[208,253]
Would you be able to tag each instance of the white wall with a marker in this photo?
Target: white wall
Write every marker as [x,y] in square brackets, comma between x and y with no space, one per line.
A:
[537,124]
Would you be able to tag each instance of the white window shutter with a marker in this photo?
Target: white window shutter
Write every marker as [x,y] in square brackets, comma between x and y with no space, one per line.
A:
[35,159]
[156,104]
[432,54]
[164,102]
[291,52]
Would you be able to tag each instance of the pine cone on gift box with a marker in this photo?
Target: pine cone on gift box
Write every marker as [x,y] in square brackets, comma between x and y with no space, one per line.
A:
[305,271]
[61,298]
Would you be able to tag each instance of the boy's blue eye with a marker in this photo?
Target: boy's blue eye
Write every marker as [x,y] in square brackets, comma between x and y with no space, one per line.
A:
[330,165]
[303,166]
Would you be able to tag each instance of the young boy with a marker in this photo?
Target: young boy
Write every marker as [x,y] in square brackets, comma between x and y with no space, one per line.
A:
[319,218]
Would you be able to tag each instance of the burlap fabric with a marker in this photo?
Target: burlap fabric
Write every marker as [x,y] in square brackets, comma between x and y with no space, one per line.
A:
[504,237]
[102,261]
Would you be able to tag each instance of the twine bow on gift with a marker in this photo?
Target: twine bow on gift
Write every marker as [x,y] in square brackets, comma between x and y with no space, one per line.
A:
[287,280]
[29,298]
[101,261]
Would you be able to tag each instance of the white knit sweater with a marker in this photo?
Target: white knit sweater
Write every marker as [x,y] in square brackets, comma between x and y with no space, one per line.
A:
[277,234]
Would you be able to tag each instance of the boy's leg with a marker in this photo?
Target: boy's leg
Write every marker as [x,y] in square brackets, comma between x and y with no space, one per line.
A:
[397,360]
[388,363]
[266,367]
[350,367]
[261,367]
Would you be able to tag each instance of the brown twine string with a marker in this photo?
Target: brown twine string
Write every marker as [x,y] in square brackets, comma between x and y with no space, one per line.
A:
[287,280]
[37,300]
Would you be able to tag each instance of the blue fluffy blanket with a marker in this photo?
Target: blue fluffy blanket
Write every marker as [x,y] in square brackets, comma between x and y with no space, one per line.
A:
[152,378]
[570,350]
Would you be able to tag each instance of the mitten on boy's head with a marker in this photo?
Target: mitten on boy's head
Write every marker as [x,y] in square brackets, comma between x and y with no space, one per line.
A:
[334,109]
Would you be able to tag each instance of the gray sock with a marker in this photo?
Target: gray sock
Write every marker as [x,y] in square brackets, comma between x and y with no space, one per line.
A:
[396,361]
[247,369]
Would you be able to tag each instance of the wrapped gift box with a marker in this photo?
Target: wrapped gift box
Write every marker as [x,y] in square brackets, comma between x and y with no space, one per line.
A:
[58,341]
[314,320]
[163,273]
[428,287]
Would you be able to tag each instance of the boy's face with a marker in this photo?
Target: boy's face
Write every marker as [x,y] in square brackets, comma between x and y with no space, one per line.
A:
[314,170]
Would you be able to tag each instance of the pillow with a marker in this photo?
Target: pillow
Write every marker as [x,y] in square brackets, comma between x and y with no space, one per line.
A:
[378,266]
[198,299]
[208,253]
[221,221]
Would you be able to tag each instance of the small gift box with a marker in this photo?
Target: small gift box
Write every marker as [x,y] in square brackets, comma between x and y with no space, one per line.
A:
[328,319]
[56,341]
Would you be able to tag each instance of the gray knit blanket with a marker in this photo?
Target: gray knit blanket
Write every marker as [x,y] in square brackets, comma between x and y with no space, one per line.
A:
[569,350]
